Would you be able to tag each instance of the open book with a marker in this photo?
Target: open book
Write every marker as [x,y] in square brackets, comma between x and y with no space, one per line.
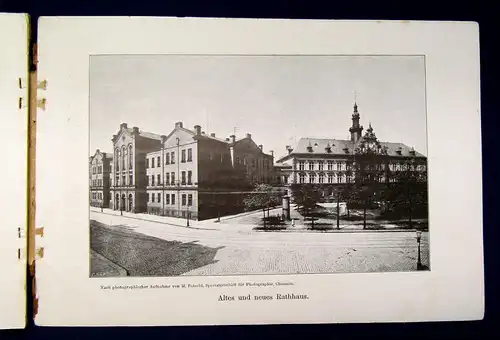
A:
[239,171]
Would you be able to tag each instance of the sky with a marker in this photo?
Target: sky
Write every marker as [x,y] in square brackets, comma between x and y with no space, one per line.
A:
[277,99]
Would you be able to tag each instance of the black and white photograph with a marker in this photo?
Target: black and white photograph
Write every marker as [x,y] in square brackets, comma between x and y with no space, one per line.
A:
[225,165]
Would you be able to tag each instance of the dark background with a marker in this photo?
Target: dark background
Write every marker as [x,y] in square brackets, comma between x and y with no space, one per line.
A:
[480,11]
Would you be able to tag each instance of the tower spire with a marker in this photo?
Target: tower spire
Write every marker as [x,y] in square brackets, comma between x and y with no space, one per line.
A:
[356,129]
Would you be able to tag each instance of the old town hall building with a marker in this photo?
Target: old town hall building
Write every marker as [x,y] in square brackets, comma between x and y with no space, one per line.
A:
[186,173]
[329,161]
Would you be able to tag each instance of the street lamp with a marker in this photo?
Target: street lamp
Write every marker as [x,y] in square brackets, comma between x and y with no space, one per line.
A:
[419,262]
[187,216]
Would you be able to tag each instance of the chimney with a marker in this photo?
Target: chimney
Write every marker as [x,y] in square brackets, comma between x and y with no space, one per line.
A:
[227,139]
[197,130]
[289,149]
[272,153]
[97,151]
[249,136]
[212,134]
[260,147]
[123,126]
[178,124]
[113,139]
[202,132]
[233,138]
[135,129]
[163,138]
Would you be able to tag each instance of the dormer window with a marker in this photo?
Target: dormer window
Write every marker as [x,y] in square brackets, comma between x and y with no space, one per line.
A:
[328,148]
[309,148]
[412,152]
[346,150]
[399,150]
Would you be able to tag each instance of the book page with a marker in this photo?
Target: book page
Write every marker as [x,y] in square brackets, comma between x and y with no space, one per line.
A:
[241,171]
[13,66]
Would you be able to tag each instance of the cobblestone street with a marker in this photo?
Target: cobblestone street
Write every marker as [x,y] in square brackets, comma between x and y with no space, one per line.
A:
[242,251]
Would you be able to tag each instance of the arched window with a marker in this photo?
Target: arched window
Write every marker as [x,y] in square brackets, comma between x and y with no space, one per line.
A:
[124,156]
[130,158]
[117,161]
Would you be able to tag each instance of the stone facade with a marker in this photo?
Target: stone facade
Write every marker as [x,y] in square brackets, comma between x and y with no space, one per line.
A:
[128,180]
[99,170]
[197,175]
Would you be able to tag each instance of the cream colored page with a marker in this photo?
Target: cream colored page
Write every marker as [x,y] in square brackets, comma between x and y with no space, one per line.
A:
[70,49]
[13,65]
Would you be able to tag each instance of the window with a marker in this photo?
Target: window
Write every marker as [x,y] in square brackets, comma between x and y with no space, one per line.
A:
[183,177]
[190,155]
[302,178]
[167,178]
[153,180]
[167,199]
[311,165]
[147,163]
[190,177]
[172,176]
[124,155]
[167,158]
[244,160]
[123,180]
[173,199]
[158,179]
[172,157]
[320,166]
[183,156]
[190,200]
[238,160]
[339,178]
[321,178]
[183,199]
[339,166]
[152,162]
[131,179]
[130,158]
[330,178]
[301,165]
[147,197]
[312,177]
[159,197]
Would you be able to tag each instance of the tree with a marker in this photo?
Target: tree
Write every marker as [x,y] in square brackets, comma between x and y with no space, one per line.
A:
[410,187]
[264,196]
[306,197]
[369,168]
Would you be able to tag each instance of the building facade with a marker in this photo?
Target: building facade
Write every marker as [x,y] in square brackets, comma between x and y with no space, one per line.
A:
[100,170]
[128,170]
[197,175]
[330,162]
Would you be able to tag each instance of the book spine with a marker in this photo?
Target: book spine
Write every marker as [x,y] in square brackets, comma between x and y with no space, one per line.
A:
[37,102]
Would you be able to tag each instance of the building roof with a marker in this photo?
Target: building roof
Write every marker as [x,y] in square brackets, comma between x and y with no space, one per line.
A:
[319,146]
[146,134]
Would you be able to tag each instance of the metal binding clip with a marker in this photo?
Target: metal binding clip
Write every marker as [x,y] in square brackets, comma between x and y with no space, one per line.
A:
[42,85]
[40,103]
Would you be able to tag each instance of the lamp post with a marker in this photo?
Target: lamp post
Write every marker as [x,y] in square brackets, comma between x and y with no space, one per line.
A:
[419,262]
[187,216]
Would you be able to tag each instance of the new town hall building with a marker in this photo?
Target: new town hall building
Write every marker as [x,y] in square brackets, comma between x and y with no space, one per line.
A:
[186,173]
[327,161]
